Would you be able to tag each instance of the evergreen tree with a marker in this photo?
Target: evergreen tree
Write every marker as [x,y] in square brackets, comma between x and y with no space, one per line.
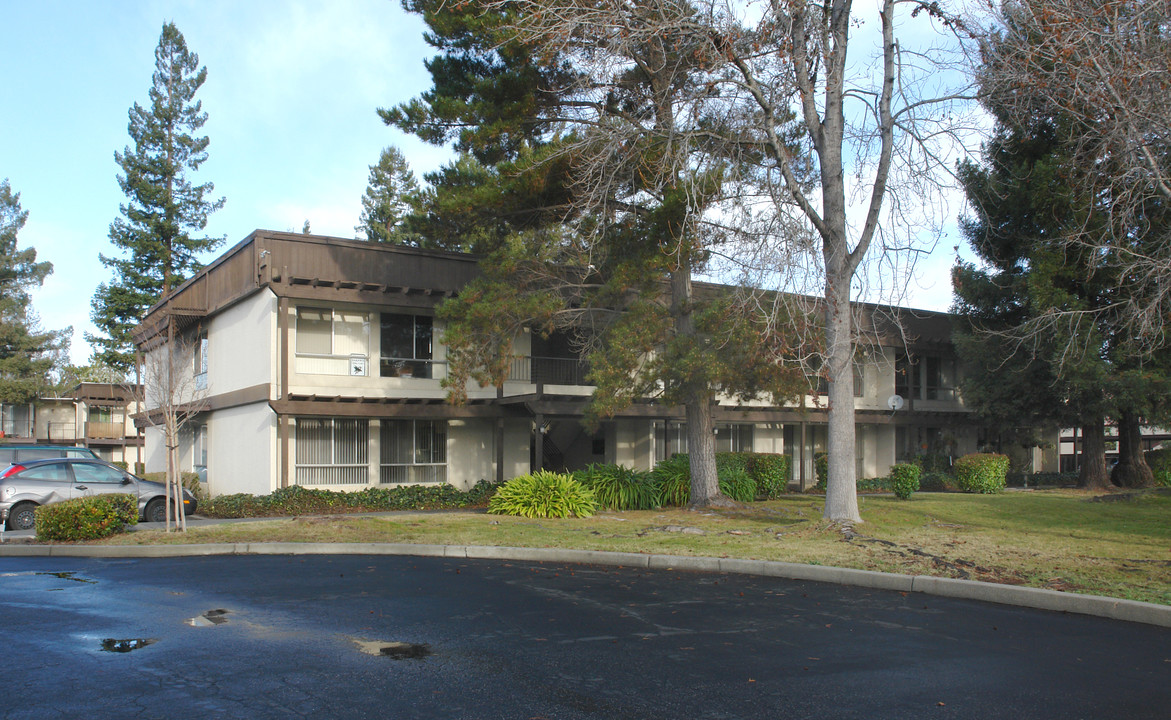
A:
[390,199]
[1080,371]
[595,230]
[27,353]
[163,207]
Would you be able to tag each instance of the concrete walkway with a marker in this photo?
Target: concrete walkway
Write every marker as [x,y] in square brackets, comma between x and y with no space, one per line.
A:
[18,545]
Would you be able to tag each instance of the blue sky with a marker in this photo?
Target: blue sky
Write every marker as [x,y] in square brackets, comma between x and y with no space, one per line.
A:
[291,95]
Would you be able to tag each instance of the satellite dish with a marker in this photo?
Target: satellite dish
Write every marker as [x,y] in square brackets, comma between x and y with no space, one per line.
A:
[895,402]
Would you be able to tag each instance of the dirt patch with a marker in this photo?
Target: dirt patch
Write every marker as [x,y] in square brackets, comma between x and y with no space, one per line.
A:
[955,567]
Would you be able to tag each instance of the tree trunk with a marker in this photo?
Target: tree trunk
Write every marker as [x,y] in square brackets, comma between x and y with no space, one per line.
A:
[1093,473]
[1132,470]
[701,447]
[841,491]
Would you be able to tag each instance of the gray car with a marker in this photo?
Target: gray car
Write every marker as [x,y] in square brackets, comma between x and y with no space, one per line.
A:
[27,485]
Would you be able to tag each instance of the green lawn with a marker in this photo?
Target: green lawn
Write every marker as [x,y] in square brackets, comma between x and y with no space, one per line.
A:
[1050,539]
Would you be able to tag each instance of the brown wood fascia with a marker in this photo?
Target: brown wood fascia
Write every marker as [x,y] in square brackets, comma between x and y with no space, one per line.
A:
[222,401]
[360,407]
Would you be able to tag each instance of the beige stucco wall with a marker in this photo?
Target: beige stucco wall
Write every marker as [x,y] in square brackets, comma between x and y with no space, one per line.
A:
[242,345]
[632,444]
[242,450]
[154,454]
[470,452]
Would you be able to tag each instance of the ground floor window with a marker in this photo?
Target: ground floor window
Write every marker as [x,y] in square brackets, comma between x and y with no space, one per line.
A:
[338,451]
[671,438]
[734,438]
[413,451]
[331,451]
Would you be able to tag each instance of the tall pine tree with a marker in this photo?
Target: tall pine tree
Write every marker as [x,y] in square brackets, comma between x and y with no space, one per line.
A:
[596,187]
[163,207]
[1040,322]
[390,199]
[27,353]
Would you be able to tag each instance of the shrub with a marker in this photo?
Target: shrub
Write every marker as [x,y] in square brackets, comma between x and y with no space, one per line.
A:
[87,518]
[872,484]
[618,487]
[732,473]
[189,480]
[934,481]
[770,473]
[121,464]
[981,472]
[904,479]
[297,500]
[821,467]
[543,494]
[934,463]
[1041,478]
[1160,462]
[672,480]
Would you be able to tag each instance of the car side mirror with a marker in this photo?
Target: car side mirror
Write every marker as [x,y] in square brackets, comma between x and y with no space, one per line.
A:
[126,481]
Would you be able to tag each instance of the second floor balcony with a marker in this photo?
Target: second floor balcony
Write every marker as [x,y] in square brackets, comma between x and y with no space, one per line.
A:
[548,370]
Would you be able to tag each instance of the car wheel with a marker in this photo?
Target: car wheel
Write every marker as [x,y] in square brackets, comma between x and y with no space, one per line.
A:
[156,510]
[23,517]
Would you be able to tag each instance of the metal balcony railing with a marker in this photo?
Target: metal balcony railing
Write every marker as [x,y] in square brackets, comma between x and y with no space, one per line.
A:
[548,370]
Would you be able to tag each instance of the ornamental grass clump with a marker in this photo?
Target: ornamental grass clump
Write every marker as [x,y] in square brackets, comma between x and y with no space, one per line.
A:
[732,472]
[982,472]
[543,494]
[904,479]
[672,479]
[619,488]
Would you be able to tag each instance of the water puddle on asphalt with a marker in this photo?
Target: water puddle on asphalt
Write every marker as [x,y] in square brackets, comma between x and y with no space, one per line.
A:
[210,618]
[126,645]
[394,650]
[68,576]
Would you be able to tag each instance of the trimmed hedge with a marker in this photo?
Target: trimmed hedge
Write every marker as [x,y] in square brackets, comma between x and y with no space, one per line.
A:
[770,472]
[298,500]
[935,481]
[87,518]
[981,472]
[1160,462]
[543,494]
[821,468]
[904,479]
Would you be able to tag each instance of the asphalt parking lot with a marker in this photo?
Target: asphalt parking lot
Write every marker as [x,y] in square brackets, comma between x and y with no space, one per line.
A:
[398,636]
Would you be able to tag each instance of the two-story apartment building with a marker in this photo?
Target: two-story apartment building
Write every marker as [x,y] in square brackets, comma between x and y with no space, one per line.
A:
[318,362]
[96,415]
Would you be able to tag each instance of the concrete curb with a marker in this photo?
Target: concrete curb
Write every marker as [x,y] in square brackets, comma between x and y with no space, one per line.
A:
[1036,598]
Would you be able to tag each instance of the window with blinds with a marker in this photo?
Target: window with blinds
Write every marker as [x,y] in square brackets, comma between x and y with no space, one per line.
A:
[331,451]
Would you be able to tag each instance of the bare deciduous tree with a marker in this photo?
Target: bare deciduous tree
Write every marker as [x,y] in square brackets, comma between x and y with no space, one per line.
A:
[172,396]
[879,136]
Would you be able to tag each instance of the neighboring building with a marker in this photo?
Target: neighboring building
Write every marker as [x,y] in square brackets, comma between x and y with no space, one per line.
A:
[319,362]
[1071,444]
[99,416]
